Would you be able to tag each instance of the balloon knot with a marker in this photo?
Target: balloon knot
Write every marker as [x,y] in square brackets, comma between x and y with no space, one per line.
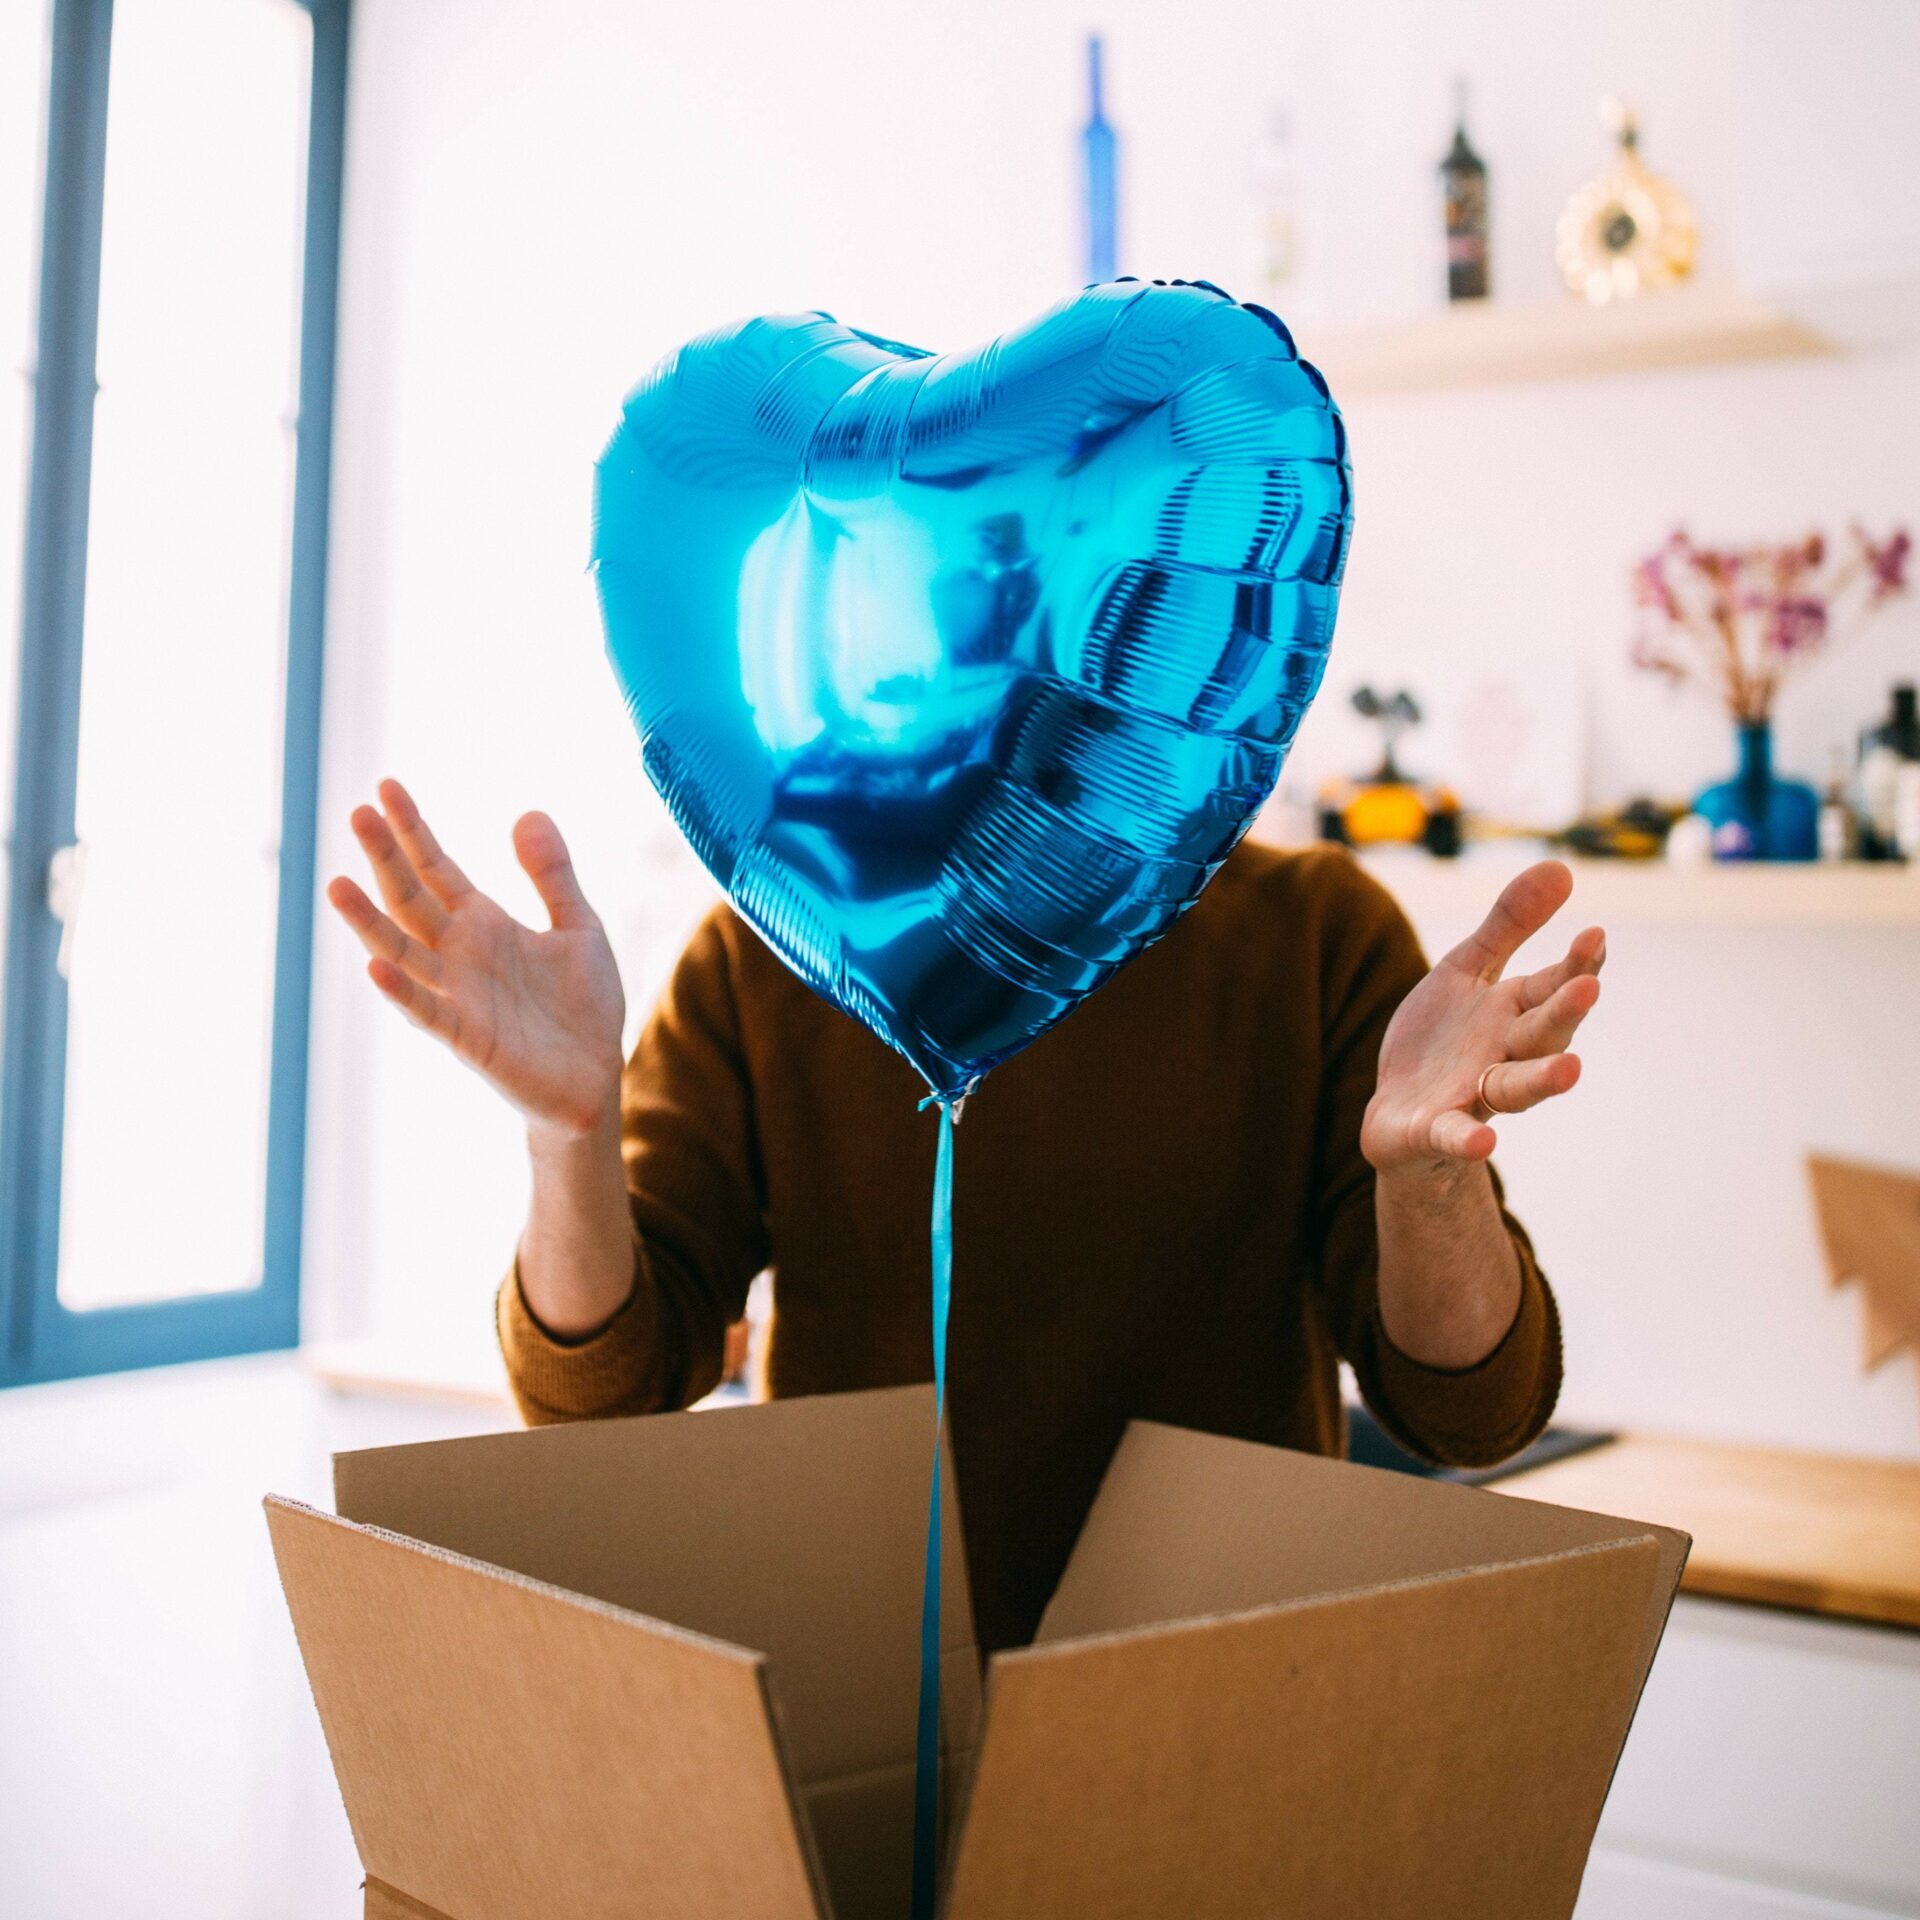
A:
[955,1103]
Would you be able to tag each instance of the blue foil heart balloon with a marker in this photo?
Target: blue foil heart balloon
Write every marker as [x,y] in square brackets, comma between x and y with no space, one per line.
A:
[963,673]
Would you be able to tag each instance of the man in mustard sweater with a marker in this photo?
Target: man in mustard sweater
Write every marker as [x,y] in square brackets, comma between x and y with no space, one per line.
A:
[1259,1150]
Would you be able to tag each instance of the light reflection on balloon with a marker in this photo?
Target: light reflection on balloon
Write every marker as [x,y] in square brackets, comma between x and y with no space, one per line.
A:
[963,673]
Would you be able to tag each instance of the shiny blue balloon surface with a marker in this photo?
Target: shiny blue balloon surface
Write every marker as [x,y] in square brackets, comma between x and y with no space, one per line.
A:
[963,673]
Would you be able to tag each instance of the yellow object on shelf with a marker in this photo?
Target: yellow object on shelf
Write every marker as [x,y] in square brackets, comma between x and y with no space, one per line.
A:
[1629,231]
[1382,813]
[1385,808]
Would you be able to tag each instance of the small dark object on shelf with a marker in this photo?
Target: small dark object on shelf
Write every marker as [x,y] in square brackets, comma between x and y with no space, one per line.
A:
[1637,831]
[1883,750]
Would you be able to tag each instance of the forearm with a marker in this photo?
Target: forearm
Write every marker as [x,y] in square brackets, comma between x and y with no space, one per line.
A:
[577,1252]
[1450,1277]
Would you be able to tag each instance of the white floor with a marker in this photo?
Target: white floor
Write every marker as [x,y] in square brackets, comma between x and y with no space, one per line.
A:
[159,1754]
[159,1757]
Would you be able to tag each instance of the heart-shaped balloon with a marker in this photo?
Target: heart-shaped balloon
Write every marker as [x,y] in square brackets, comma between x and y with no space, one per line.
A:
[963,673]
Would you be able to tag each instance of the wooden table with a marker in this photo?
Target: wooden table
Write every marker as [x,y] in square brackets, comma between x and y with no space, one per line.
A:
[1819,1532]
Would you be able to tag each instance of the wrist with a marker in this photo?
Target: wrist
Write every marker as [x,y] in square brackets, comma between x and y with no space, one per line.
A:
[576,1263]
[1427,1178]
[584,1137]
[1450,1276]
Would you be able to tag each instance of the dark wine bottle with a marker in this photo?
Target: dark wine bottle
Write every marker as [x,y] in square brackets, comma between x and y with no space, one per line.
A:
[1888,754]
[1902,729]
[1463,185]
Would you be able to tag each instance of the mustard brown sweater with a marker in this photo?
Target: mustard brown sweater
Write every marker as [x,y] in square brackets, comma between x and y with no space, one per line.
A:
[1160,1210]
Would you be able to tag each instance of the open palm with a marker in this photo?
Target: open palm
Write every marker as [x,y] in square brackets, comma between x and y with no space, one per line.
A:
[1464,1021]
[537,1013]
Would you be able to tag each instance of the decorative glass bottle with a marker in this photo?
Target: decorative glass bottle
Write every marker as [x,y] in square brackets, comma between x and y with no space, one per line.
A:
[1629,231]
[1756,815]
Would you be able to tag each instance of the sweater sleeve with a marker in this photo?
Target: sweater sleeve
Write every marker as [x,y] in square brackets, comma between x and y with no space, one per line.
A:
[696,1191]
[1472,1416]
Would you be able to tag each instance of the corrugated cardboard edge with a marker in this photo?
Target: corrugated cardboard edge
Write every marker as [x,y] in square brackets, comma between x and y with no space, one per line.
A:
[279,1507]
[581,1505]
[1234,1616]
[383,1902]
[1673,1546]
[1671,1560]
[741,1523]
[281,1503]
[797,1809]
[1643,1546]
[1194,1532]
[1144,1448]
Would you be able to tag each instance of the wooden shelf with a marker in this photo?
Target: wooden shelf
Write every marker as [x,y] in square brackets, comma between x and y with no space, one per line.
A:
[1817,1532]
[1488,343]
[1621,892]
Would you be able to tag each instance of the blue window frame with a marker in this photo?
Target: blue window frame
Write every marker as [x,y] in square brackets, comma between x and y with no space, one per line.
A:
[42,1337]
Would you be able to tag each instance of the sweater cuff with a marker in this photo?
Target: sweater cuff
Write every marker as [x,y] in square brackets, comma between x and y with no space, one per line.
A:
[613,1370]
[1479,1415]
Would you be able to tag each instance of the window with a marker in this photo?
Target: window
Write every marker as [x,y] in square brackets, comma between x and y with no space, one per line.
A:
[169,277]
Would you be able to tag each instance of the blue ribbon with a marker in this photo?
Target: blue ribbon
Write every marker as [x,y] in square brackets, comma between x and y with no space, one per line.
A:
[926,1797]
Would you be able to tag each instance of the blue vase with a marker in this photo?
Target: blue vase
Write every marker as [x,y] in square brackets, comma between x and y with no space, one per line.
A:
[1756,816]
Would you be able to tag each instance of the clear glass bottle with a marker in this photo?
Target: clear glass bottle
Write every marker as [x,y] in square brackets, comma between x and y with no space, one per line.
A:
[1837,833]
[1273,239]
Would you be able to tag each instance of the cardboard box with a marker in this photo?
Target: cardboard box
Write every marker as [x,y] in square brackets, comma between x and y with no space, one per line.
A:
[668,1667]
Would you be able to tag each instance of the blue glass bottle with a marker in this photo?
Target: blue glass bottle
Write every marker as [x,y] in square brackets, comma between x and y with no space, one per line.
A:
[1756,816]
[1098,146]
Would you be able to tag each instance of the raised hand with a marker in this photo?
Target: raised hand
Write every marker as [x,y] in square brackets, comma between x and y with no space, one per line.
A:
[1464,1021]
[537,1013]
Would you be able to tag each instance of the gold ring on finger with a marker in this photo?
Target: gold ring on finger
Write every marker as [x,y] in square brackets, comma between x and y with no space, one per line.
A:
[1480,1092]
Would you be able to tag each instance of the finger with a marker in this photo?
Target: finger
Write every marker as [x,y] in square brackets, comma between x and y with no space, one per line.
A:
[543,855]
[1587,954]
[1459,1136]
[1526,903]
[1550,1028]
[444,880]
[407,900]
[1516,1085]
[425,1008]
[379,935]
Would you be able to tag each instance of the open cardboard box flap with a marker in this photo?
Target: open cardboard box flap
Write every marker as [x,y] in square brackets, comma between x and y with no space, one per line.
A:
[669,1665]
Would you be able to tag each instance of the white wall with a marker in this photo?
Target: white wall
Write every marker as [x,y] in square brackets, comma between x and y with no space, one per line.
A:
[1667,1193]
[544,199]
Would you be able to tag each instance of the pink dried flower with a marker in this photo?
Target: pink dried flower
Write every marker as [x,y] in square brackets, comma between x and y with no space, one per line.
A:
[1741,619]
[1650,659]
[1797,626]
[1886,562]
[1721,565]
[1650,587]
